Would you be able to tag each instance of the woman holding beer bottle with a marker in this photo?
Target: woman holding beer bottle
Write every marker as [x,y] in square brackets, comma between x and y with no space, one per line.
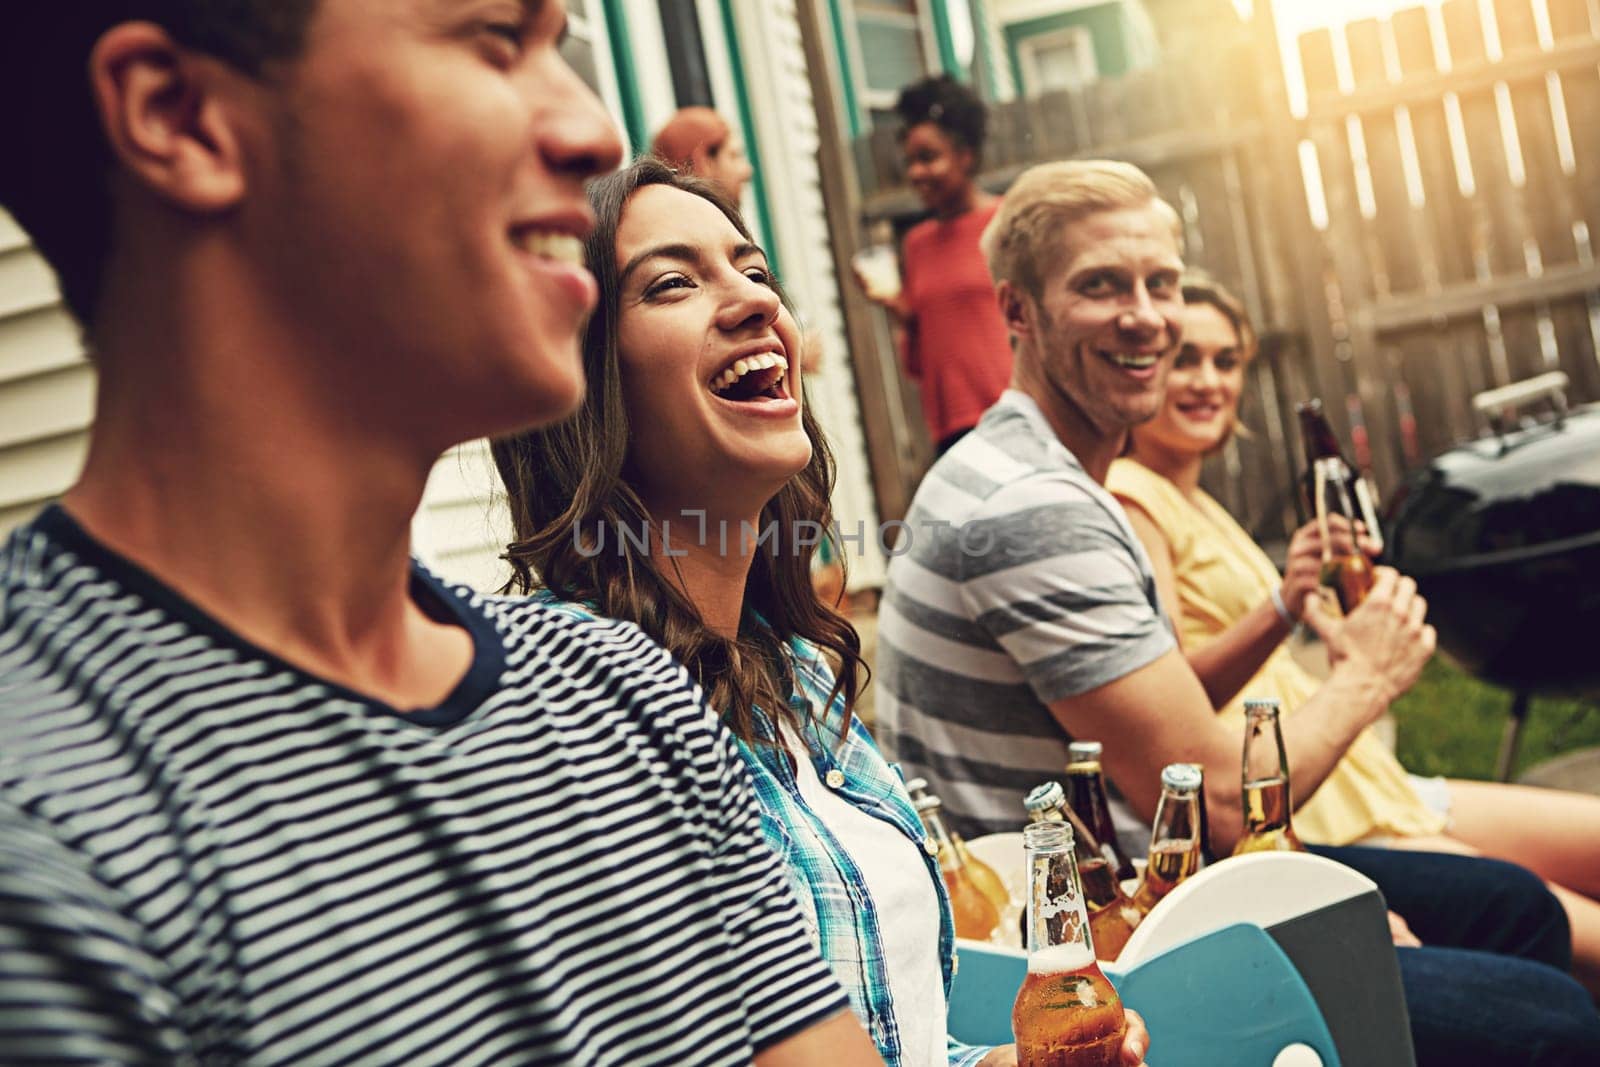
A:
[1233,611]
[685,496]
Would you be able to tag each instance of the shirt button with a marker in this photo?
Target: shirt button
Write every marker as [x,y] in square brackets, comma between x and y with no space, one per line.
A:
[955,964]
[930,846]
[835,778]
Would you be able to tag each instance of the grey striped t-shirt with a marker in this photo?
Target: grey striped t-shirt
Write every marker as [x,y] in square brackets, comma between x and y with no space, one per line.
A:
[1023,584]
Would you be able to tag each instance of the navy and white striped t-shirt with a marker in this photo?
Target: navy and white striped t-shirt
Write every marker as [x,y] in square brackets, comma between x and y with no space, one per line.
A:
[207,855]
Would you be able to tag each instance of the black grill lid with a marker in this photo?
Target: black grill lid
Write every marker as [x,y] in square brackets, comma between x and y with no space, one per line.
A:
[1529,492]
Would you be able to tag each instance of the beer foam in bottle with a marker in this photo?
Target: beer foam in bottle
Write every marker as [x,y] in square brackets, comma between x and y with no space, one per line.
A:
[1060,959]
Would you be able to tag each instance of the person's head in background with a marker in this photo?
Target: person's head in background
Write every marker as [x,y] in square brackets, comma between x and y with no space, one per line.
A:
[313,199]
[700,142]
[942,142]
[1200,410]
[1087,260]
[692,427]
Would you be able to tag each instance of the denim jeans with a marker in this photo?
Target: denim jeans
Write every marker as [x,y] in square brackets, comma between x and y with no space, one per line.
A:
[1490,984]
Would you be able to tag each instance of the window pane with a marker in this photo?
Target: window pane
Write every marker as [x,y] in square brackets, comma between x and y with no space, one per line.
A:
[893,53]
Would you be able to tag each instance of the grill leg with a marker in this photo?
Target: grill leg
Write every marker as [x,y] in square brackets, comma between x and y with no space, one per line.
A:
[1509,739]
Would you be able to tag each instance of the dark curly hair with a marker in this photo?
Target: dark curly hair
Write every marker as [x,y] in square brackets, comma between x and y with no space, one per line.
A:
[55,178]
[576,477]
[949,105]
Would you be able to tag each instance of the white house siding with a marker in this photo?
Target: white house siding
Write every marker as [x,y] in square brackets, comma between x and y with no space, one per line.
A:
[786,129]
[46,385]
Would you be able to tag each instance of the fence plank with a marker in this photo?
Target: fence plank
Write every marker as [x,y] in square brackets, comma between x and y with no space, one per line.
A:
[1579,20]
[1366,401]
[1570,21]
[1397,235]
[1549,198]
[1395,231]
[1513,339]
[1448,219]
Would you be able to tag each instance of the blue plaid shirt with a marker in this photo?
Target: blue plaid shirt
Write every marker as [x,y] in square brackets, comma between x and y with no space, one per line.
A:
[832,893]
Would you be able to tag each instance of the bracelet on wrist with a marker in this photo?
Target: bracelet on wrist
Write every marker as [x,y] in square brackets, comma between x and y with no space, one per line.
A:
[1282,609]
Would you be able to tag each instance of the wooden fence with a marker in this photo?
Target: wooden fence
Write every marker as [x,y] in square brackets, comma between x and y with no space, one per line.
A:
[1442,245]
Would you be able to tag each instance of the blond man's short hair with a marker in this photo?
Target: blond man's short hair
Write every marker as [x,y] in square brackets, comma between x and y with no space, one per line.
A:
[1023,239]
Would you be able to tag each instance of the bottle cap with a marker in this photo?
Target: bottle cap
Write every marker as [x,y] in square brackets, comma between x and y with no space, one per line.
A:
[1047,795]
[1260,704]
[1085,752]
[1181,777]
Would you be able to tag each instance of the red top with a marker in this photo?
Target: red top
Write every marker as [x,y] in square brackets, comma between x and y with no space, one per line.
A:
[956,345]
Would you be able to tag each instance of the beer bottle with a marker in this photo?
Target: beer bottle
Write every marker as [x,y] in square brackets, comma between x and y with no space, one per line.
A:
[1086,795]
[1175,838]
[1346,571]
[1207,857]
[1317,435]
[976,916]
[1267,799]
[1112,916]
[987,881]
[1066,1013]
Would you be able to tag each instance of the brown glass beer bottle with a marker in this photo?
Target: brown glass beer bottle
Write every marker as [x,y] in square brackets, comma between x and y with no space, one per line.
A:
[1086,795]
[1268,826]
[1175,837]
[1320,442]
[1346,572]
[1066,1014]
[1112,916]
[976,916]
[983,875]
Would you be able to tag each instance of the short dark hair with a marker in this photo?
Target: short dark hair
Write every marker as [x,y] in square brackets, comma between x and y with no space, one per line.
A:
[949,105]
[55,180]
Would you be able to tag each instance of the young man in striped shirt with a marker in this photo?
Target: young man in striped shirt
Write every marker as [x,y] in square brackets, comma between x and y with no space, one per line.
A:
[269,791]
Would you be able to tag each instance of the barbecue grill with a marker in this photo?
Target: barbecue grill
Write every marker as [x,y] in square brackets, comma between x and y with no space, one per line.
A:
[1503,537]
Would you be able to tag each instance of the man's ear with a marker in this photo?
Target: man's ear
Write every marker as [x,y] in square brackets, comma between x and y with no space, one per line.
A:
[164,114]
[1014,304]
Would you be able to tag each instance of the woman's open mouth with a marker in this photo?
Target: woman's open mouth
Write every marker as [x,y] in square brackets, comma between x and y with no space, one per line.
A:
[753,380]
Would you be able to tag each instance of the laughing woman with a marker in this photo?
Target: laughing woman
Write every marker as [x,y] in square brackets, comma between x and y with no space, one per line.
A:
[654,505]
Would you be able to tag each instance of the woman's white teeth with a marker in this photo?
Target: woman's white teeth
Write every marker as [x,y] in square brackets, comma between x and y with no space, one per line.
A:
[741,367]
[561,247]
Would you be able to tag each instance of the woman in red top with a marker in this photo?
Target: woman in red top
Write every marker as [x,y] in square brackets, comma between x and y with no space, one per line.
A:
[953,341]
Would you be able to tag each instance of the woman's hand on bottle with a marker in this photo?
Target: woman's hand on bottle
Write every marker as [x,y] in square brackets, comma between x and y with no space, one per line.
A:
[1302,572]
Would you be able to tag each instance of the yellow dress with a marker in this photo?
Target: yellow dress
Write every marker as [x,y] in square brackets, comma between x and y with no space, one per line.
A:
[1221,575]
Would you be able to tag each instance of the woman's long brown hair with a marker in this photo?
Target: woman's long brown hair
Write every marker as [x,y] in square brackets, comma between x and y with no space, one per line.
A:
[575,477]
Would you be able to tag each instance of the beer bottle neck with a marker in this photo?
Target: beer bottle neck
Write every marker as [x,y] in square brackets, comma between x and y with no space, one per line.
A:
[1057,916]
[1177,818]
[1317,434]
[1085,846]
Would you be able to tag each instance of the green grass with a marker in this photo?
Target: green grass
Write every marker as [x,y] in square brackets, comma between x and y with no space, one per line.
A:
[1450,723]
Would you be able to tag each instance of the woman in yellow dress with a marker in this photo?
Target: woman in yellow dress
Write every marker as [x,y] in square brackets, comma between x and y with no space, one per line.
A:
[1233,610]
